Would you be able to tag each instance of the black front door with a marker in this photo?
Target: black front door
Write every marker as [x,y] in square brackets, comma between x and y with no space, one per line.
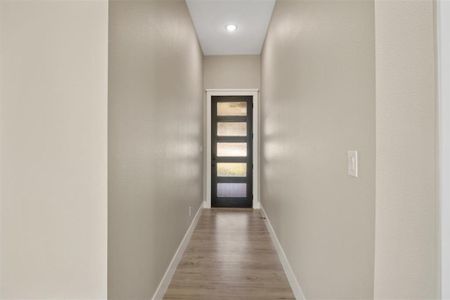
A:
[231,151]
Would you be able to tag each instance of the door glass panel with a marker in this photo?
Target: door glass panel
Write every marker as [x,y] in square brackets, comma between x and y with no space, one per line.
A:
[231,129]
[231,169]
[232,190]
[232,149]
[231,108]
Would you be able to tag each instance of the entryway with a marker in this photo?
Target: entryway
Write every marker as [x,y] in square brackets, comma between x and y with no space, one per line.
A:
[232,149]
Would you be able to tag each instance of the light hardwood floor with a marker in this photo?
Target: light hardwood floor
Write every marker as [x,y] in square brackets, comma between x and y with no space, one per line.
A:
[230,256]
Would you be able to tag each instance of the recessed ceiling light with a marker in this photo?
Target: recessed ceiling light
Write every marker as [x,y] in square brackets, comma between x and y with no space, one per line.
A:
[231,27]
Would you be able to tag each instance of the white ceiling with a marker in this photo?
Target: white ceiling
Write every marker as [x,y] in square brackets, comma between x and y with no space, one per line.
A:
[210,18]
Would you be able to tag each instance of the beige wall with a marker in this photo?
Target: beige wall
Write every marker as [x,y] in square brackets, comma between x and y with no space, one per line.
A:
[406,218]
[232,71]
[155,138]
[318,102]
[53,155]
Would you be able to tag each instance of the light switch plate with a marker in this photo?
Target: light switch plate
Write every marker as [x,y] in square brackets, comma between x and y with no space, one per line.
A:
[352,163]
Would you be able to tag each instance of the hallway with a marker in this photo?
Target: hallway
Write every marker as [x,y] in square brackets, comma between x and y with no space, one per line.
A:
[230,255]
[225,149]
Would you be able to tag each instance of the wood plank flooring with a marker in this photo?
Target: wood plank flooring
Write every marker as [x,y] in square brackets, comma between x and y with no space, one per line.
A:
[230,256]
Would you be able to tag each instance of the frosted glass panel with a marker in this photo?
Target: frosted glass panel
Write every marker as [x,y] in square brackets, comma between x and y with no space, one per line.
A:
[232,190]
[231,129]
[231,108]
[231,169]
[232,149]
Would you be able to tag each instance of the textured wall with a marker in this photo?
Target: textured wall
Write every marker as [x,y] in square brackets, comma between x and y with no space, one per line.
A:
[155,137]
[406,217]
[318,101]
[232,72]
[53,149]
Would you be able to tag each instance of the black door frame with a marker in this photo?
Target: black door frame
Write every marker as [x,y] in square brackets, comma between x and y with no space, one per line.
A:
[232,201]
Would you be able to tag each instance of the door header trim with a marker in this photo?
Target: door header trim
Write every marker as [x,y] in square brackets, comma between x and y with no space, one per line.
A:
[241,92]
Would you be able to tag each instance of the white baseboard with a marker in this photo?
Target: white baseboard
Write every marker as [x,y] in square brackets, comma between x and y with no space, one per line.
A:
[295,286]
[165,281]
